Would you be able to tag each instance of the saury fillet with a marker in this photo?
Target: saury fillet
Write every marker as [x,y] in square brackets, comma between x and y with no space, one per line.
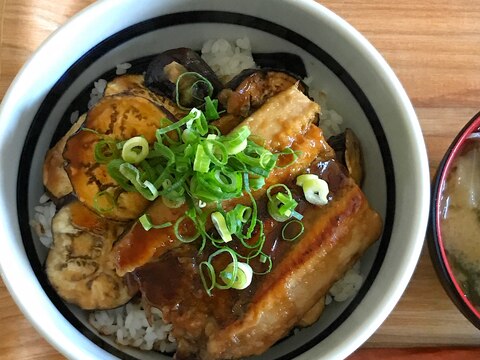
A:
[234,324]
[335,237]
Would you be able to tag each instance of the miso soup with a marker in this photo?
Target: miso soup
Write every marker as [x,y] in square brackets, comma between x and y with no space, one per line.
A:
[460,219]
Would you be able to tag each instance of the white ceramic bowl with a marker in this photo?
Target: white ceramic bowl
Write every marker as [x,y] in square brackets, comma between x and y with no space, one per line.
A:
[359,84]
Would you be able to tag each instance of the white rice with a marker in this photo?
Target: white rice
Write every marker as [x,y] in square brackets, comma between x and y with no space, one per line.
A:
[347,286]
[42,220]
[330,120]
[228,58]
[97,92]
[122,68]
[128,325]
[74,116]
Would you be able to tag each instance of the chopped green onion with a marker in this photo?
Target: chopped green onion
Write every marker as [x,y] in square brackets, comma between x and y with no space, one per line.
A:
[190,136]
[237,217]
[181,237]
[221,226]
[273,210]
[162,151]
[105,151]
[301,178]
[191,116]
[243,277]
[145,188]
[288,151]
[287,228]
[281,206]
[190,90]
[146,221]
[297,215]
[174,203]
[192,162]
[202,161]
[315,189]
[256,183]
[135,150]
[253,218]
[211,274]
[213,147]
[236,141]
[263,259]
[211,106]
[113,169]
[229,282]
[100,199]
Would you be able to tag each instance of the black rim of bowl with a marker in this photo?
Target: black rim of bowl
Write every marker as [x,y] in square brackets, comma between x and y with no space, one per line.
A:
[434,246]
[177,19]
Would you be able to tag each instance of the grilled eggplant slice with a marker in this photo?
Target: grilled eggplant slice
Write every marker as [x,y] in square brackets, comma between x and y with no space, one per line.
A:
[79,265]
[349,152]
[135,85]
[55,178]
[117,117]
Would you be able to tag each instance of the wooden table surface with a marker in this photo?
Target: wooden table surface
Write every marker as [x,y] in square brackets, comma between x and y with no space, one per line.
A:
[433,46]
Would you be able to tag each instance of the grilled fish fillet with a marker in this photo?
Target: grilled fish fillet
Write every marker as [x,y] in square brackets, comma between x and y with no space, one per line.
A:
[335,237]
[235,324]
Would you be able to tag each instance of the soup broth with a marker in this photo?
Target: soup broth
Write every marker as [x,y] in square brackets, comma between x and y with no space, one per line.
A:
[460,220]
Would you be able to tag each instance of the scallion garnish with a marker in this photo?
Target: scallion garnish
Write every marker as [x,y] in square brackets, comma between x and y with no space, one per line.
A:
[287,152]
[287,230]
[191,89]
[208,284]
[211,112]
[315,189]
[105,151]
[192,163]
[239,279]
[280,205]
[185,238]
[236,141]
[103,201]
[146,221]
[135,150]
[219,222]
[144,187]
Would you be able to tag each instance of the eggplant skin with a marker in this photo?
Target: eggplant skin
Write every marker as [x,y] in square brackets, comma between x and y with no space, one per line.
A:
[156,79]
[281,61]
[348,151]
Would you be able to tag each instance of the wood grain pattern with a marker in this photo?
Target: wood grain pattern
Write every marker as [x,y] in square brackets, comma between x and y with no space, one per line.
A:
[433,48]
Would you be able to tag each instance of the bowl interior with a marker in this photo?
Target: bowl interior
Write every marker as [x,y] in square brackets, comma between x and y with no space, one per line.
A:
[364,92]
[444,263]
